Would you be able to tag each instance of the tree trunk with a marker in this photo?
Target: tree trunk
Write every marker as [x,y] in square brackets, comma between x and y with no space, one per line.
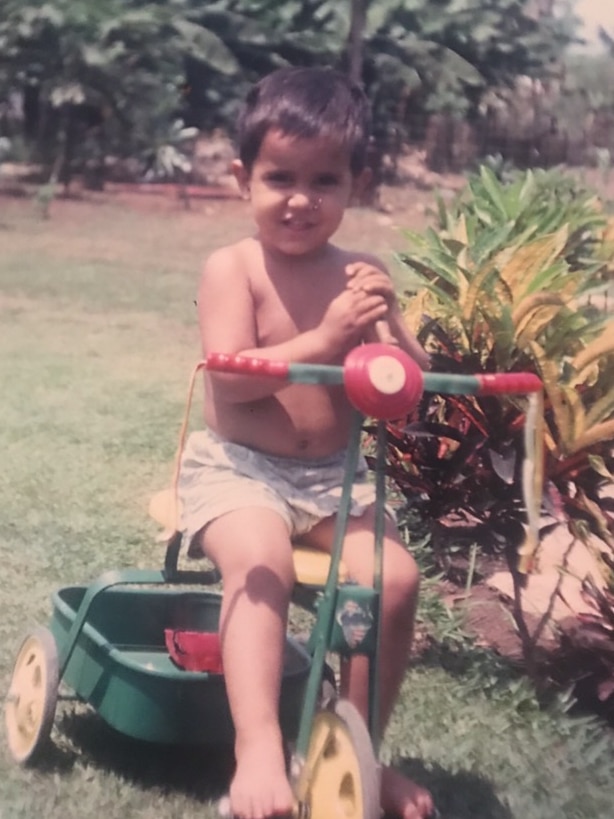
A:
[358,24]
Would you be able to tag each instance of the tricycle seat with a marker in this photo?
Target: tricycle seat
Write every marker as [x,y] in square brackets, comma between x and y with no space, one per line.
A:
[311,566]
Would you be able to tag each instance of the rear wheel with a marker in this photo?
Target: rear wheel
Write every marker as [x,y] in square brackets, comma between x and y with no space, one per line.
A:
[32,697]
[339,777]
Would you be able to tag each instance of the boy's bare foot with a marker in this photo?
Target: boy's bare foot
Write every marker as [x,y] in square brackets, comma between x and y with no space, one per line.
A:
[260,787]
[403,798]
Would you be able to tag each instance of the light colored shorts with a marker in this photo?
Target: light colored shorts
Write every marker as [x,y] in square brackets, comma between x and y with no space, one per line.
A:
[218,477]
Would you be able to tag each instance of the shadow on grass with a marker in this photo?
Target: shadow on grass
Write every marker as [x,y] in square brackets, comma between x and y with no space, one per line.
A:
[204,772]
[199,771]
[460,795]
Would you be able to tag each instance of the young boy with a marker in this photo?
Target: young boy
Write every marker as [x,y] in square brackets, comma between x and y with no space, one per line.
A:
[269,466]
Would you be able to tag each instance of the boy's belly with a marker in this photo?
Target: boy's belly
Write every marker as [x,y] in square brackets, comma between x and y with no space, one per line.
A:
[304,422]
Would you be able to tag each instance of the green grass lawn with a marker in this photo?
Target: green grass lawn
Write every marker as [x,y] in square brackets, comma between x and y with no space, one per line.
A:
[98,337]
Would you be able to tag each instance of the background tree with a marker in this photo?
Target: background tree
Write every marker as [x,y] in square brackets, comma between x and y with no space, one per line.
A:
[108,75]
[261,35]
[429,64]
[112,78]
[585,107]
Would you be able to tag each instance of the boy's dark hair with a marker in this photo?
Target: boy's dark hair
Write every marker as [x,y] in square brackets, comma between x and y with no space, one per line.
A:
[306,103]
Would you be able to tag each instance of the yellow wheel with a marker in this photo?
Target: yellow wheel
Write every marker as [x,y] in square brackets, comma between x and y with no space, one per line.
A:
[32,697]
[339,778]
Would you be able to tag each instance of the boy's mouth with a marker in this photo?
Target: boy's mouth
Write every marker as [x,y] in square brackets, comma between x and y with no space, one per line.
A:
[299,225]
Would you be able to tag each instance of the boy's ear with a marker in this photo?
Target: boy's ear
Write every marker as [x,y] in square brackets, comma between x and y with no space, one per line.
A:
[240,173]
[361,184]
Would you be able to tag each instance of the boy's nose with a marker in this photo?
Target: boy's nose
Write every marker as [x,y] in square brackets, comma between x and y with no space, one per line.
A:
[301,199]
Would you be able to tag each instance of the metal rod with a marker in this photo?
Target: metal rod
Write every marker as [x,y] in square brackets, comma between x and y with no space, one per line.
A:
[378,571]
[327,606]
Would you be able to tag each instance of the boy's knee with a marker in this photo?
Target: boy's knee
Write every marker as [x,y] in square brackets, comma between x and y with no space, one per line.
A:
[241,545]
[263,582]
[265,558]
[402,582]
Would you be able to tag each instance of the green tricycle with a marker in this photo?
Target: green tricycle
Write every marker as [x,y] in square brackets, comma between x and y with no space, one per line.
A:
[141,646]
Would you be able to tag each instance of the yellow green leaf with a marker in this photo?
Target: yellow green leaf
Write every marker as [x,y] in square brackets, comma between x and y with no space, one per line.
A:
[531,303]
[601,410]
[533,314]
[535,324]
[594,435]
[460,231]
[477,292]
[529,259]
[416,308]
[602,345]
[599,519]
[564,408]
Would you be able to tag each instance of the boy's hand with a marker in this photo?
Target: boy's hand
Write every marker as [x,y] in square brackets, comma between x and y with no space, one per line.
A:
[390,327]
[370,279]
[349,315]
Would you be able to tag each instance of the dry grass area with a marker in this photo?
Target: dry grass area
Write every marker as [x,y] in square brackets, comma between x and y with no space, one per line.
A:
[222,217]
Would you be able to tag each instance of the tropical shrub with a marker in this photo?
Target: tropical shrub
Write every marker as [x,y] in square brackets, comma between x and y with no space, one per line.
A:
[511,279]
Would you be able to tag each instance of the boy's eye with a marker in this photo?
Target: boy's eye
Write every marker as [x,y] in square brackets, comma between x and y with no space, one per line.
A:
[285,179]
[327,180]
[278,178]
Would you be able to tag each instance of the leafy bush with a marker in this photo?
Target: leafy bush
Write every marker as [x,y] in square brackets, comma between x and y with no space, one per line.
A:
[511,279]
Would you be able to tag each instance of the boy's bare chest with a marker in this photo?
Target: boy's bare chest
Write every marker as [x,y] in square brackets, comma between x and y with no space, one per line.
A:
[294,305]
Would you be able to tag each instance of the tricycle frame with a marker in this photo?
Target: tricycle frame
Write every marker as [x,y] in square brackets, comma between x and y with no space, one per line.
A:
[103,673]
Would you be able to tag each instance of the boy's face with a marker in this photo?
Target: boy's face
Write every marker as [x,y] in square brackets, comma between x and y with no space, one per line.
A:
[299,189]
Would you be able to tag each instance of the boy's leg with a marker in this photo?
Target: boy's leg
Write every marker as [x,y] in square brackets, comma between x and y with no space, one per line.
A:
[252,549]
[400,796]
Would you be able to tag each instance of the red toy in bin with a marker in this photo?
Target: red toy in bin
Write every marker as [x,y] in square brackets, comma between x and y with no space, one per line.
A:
[195,650]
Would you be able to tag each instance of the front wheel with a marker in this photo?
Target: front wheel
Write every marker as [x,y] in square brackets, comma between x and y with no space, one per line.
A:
[32,697]
[339,777]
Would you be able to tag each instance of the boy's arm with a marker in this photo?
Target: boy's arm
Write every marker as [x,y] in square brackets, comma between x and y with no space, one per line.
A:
[397,328]
[227,320]
[371,275]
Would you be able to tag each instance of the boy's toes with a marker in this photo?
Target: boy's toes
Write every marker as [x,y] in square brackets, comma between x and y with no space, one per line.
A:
[225,811]
[223,808]
[401,797]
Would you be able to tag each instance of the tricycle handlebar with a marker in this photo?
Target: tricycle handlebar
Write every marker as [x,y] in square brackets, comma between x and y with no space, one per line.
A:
[380,379]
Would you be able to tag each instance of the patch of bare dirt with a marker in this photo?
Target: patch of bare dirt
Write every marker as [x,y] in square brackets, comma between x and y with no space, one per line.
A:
[486,612]
[570,654]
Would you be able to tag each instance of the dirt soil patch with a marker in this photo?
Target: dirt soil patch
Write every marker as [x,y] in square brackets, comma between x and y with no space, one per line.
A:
[569,655]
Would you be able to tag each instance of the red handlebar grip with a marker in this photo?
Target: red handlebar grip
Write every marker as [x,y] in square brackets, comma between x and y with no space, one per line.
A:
[497,383]
[221,362]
